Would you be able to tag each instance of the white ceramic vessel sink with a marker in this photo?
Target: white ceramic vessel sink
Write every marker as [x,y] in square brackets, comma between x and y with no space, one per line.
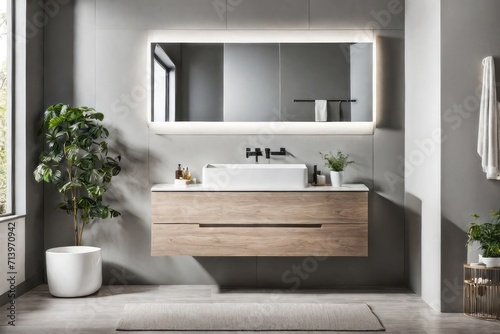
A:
[247,176]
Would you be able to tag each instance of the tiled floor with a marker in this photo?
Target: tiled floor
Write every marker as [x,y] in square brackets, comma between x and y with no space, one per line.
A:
[399,310]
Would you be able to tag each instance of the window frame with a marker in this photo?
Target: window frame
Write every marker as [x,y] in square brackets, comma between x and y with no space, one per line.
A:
[10,207]
[158,55]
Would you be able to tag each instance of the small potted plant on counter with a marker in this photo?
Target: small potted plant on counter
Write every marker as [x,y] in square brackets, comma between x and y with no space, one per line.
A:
[488,236]
[75,159]
[337,164]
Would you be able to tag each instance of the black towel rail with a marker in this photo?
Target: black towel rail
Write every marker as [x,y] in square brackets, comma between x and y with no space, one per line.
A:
[336,100]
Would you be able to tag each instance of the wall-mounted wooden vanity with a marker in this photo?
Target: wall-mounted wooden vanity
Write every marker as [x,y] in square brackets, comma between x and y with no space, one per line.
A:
[320,221]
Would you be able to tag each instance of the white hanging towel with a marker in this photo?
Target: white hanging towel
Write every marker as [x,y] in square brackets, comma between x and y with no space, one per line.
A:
[320,110]
[487,140]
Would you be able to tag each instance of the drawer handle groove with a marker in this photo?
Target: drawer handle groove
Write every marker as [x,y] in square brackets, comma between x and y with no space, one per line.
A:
[261,225]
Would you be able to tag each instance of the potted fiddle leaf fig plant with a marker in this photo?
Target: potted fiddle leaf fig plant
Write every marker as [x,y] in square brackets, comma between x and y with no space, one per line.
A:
[75,160]
[337,164]
[488,237]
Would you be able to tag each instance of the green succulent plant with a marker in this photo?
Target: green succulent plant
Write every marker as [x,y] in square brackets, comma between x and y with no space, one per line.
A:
[75,159]
[487,234]
[338,162]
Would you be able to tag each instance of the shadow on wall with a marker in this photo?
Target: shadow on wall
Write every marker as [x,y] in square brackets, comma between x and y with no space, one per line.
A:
[453,256]
[128,193]
[413,243]
[386,239]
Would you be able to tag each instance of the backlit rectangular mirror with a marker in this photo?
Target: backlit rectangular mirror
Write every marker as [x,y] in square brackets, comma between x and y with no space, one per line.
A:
[252,84]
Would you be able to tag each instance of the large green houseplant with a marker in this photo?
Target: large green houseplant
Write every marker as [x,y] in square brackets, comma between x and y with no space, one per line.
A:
[488,237]
[75,159]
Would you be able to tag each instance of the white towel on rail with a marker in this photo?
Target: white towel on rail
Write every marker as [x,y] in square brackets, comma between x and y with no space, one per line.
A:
[320,110]
[487,140]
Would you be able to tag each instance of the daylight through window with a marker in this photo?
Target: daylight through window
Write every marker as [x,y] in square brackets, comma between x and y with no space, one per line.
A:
[5,138]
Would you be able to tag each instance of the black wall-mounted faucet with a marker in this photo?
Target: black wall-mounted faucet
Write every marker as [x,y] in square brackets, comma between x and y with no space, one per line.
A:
[257,153]
[282,151]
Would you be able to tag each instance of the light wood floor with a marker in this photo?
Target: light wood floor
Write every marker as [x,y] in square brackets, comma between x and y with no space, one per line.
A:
[399,310]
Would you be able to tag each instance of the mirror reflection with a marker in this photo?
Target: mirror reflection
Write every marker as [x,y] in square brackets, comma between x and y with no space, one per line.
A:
[262,82]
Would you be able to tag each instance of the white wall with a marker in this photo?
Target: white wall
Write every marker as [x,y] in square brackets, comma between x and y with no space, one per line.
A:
[422,137]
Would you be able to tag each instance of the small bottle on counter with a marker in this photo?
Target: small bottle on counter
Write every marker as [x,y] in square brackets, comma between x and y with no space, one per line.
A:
[187,174]
[178,173]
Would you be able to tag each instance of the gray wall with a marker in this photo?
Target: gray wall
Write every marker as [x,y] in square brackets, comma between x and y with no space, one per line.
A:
[465,189]
[114,41]
[35,257]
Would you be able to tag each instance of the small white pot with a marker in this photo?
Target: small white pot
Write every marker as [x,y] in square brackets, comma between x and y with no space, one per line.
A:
[337,178]
[491,262]
[74,271]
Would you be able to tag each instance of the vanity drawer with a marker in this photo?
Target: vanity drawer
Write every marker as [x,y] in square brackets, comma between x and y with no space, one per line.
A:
[260,207]
[260,240]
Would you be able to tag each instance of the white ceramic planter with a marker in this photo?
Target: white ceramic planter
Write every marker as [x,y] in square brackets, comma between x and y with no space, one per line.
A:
[491,262]
[337,178]
[73,271]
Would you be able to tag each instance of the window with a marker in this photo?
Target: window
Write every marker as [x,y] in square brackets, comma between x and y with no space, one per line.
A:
[163,86]
[5,109]
[160,92]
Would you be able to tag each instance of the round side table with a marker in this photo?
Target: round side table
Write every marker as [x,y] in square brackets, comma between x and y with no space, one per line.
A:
[482,292]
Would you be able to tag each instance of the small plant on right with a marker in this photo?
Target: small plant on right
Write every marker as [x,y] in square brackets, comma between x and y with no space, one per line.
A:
[338,162]
[487,234]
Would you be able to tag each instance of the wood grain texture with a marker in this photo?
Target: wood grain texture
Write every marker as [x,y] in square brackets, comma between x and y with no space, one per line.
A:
[259,207]
[259,223]
[192,240]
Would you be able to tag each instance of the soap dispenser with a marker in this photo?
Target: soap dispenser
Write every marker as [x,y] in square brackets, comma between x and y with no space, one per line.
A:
[178,172]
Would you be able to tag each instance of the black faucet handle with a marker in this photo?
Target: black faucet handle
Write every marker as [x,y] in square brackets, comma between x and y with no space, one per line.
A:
[268,153]
[283,151]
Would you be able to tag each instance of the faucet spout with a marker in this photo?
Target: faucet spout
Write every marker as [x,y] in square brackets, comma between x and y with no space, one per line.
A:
[268,153]
[258,153]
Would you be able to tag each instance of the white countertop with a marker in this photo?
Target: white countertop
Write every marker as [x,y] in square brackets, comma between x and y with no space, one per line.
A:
[201,187]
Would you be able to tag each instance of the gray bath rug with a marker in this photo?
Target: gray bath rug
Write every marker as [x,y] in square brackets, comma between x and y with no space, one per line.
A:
[248,317]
